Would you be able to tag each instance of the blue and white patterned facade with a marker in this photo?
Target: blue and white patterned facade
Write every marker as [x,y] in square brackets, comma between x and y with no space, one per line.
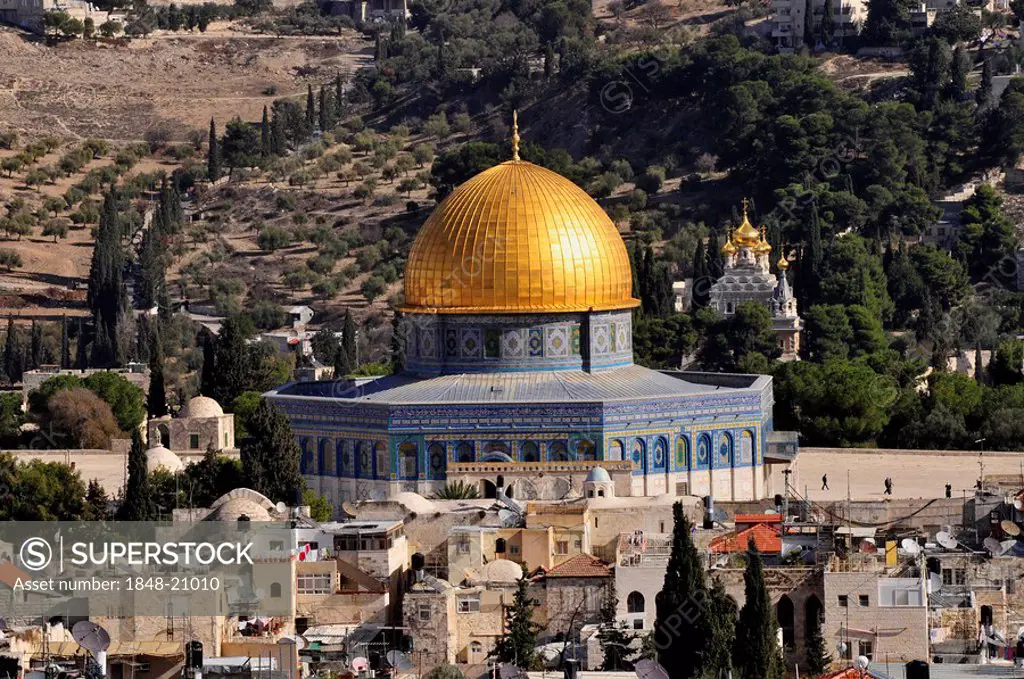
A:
[533,390]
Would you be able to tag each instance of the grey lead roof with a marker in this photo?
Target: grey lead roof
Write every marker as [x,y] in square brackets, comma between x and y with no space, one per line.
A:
[630,382]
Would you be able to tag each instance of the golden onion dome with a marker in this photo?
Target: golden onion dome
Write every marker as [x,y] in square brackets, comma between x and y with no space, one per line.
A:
[783,263]
[729,248]
[762,248]
[745,235]
[518,238]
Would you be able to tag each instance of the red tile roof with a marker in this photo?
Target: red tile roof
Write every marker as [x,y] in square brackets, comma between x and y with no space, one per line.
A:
[581,566]
[767,538]
[10,574]
[758,518]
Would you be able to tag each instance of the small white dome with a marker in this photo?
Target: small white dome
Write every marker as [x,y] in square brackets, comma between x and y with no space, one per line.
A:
[202,406]
[598,475]
[501,570]
[236,508]
[159,457]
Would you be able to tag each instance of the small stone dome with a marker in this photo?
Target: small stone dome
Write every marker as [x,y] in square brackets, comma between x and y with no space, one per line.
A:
[202,406]
[501,570]
[598,475]
[236,508]
[159,457]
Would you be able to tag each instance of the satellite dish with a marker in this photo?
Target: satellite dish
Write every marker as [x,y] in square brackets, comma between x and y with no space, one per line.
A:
[993,546]
[1010,528]
[1006,546]
[649,669]
[722,561]
[400,661]
[910,546]
[719,515]
[281,507]
[862,662]
[508,518]
[841,647]
[945,540]
[1018,504]
[349,509]
[360,664]
[90,636]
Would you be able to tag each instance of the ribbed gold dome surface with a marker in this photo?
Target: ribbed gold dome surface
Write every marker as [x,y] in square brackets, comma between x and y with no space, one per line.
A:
[518,238]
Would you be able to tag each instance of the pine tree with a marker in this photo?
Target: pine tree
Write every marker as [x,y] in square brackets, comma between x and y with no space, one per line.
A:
[14,353]
[701,286]
[613,635]
[717,654]
[213,155]
[818,657]
[339,97]
[759,656]
[348,341]
[35,347]
[81,348]
[679,631]
[208,377]
[310,109]
[156,402]
[270,456]
[138,496]
[96,502]
[979,370]
[516,647]
[961,70]
[265,133]
[65,344]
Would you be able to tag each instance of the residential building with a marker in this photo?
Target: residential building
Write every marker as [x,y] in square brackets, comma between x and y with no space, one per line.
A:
[789,20]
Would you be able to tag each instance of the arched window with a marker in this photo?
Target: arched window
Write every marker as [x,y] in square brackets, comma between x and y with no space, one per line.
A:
[812,616]
[326,458]
[380,450]
[410,463]
[586,451]
[530,452]
[635,602]
[499,546]
[703,450]
[343,453]
[784,613]
[638,452]
[436,458]
[496,451]
[747,447]
[165,435]
[306,466]
[557,452]
[464,453]
[275,590]
[682,453]
[724,450]
[615,450]
[659,458]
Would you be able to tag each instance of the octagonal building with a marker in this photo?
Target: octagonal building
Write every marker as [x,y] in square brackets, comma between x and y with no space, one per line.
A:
[519,371]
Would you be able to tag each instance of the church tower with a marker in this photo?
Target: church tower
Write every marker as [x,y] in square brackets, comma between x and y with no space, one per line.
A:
[747,278]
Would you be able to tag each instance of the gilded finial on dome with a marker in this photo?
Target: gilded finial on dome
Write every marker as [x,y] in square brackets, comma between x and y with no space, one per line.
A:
[745,235]
[729,248]
[763,248]
[515,135]
[783,263]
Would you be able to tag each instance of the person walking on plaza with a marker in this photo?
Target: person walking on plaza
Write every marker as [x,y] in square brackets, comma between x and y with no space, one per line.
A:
[824,481]
[949,490]
[888,486]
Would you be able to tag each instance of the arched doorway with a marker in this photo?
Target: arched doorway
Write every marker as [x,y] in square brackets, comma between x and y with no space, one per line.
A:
[409,460]
[165,435]
[530,452]
[557,452]
[464,453]
[784,613]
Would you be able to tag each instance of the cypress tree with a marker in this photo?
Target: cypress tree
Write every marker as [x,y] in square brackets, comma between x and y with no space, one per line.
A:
[517,646]
[717,654]
[106,291]
[310,109]
[979,371]
[36,346]
[323,112]
[156,402]
[818,657]
[102,343]
[14,353]
[96,502]
[208,377]
[397,343]
[81,348]
[138,503]
[758,657]
[339,97]
[680,633]
[701,286]
[348,341]
[270,456]
[265,133]
[983,95]
[716,262]
[65,344]
[213,155]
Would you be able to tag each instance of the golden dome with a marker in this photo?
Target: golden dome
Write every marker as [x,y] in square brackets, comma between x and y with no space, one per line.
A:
[783,263]
[729,248]
[762,248]
[745,235]
[518,238]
